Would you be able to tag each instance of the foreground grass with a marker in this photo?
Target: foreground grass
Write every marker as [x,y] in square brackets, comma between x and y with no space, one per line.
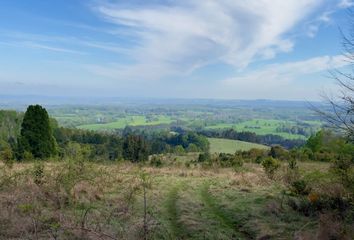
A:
[218,145]
[105,201]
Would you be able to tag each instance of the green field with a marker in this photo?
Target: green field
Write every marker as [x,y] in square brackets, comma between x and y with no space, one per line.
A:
[218,145]
[265,126]
[128,121]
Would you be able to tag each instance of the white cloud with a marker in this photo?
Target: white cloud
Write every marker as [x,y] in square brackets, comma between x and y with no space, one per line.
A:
[291,80]
[345,3]
[277,74]
[186,34]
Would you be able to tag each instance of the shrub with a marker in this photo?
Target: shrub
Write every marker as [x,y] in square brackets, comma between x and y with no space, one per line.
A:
[155,161]
[237,162]
[203,157]
[38,173]
[300,187]
[28,156]
[270,166]
[292,173]
[292,165]
[278,152]
[7,156]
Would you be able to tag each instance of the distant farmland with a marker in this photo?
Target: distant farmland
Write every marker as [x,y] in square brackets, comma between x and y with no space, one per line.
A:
[128,121]
[218,145]
[265,126]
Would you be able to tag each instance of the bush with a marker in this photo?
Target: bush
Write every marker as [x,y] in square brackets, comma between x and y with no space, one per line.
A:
[155,161]
[300,187]
[204,157]
[270,166]
[27,156]
[7,156]
[279,152]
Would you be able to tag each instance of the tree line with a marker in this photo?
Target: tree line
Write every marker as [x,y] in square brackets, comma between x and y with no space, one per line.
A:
[268,139]
[37,136]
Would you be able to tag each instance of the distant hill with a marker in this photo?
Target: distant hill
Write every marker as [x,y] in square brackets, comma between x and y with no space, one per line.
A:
[20,102]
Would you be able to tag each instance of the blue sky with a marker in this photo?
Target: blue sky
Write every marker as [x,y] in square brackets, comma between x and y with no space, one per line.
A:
[229,49]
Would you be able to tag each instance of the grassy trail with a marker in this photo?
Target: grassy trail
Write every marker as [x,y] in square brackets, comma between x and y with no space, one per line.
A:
[173,214]
[230,224]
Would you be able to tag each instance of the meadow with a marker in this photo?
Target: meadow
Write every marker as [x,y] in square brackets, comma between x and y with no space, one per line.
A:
[70,200]
[219,145]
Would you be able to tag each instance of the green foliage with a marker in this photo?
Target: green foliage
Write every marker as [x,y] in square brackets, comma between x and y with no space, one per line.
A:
[77,151]
[179,150]
[28,156]
[36,133]
[279,152]
[7,156]
[229,160]
[270,166]
[135,148]
[192,148]
[204,157]
[300,187]
[315,141]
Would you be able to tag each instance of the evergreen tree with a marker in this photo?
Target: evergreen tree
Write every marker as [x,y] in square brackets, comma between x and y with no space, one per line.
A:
[36,133]
[135,148]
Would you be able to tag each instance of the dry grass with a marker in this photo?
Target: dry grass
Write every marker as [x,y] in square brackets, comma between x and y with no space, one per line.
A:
[104,201]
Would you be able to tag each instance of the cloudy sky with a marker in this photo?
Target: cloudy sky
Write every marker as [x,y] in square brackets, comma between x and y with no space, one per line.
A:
[230,49]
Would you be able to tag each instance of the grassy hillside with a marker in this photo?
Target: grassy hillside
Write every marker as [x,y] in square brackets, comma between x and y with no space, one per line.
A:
[182,203]
[218,145]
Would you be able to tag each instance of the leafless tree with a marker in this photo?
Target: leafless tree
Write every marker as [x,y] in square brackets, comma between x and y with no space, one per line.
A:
[340,114]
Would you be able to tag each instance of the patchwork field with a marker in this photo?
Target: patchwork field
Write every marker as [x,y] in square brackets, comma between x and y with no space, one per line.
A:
[263,127]
[219,145]
[128,121]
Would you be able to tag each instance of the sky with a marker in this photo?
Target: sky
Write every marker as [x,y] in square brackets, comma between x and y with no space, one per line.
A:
[224,49]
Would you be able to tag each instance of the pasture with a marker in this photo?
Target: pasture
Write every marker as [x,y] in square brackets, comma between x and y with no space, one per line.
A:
[219,145]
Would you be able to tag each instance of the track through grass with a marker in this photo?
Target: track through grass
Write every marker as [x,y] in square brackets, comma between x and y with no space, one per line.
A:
[229,221]
[176,227]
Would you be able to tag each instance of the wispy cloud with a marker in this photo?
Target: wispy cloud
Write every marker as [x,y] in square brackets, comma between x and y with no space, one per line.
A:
[346,3]
[48,42]
[185,35]
[37,45]
[277,74]
[50,48]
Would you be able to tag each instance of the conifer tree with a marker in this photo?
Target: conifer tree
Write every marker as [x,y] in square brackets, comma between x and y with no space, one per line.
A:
[36,133]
